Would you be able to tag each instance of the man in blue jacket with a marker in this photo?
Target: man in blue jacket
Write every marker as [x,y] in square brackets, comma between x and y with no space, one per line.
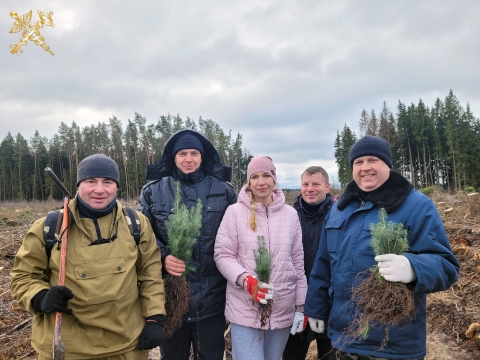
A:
[344,252]
[190,158]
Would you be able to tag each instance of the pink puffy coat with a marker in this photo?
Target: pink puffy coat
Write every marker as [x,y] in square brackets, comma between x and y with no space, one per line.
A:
[234,255]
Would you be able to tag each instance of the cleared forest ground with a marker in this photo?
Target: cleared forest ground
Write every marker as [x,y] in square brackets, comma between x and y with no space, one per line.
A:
[449,313]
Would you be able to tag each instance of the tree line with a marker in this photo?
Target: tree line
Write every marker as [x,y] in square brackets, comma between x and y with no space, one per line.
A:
[22,161]
[431,146]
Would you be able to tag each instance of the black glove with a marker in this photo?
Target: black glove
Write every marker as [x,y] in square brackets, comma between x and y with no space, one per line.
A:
[152,333]
[55,299]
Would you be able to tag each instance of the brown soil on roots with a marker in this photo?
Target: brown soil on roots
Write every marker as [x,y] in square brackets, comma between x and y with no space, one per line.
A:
[380,303]
[265,312]
[177,297]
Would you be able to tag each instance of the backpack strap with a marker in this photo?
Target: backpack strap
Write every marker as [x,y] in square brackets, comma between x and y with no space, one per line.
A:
[53,224]
[133,222]
[51,230]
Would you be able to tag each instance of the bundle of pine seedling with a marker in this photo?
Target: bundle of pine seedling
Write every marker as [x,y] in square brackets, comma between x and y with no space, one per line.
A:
[379,302]
[263,269]
[183,229]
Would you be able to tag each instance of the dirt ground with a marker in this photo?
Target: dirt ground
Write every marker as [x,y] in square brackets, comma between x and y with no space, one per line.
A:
[449,313]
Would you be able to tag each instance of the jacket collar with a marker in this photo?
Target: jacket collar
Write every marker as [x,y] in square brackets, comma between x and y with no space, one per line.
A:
[74,213]
[388,196]
[275,205]
[190,178]
[323,209]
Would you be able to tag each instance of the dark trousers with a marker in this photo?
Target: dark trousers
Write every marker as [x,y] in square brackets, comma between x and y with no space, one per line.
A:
[205,336]
[297,348]
[348,356]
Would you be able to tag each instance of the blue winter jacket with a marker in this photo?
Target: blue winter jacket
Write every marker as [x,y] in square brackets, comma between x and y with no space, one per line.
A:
[344,253]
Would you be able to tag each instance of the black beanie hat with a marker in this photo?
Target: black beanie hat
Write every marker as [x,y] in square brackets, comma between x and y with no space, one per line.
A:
[371,146]
[187,141]
[100,166]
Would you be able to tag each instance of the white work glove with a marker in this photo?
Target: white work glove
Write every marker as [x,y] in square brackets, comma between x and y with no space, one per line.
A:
[299,323]
[316,325]
[395,268]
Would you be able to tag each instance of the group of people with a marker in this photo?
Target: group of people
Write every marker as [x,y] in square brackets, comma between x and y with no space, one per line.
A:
[113,298]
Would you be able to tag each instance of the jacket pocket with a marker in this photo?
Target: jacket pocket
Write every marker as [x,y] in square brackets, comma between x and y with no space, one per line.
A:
[101,281]
[363,241]
[214,210]
[161,212]
[334,230]
[109,316]
[105,267]
[161,208]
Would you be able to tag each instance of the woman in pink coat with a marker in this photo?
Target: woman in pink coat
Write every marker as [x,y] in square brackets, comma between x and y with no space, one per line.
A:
[261,211]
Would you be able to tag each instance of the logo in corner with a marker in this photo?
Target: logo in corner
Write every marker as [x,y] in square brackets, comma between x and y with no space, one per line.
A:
[30,31]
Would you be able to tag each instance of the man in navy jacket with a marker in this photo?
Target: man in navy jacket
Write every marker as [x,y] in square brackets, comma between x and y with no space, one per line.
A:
[191,159]
[312,206]
[344,252]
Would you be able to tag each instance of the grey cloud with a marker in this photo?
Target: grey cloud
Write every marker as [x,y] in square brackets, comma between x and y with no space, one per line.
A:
[286,74]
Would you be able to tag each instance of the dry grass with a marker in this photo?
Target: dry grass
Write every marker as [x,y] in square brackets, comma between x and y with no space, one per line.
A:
[15,220]
[15,329]
[290,196]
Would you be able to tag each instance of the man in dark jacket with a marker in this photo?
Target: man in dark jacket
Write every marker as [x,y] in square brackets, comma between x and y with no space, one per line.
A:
[312,206]
[190,158]
[344,255]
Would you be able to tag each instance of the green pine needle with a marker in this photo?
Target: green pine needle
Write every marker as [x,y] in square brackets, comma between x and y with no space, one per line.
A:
[183,229]
[363,333]
[388,237]
[263,261]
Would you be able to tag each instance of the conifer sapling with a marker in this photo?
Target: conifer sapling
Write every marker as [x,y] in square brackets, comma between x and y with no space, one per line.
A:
[183,230]
[379,302]
[263,270]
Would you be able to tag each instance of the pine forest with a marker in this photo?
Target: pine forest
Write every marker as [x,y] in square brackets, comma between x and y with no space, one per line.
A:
[436,146]
[22,161]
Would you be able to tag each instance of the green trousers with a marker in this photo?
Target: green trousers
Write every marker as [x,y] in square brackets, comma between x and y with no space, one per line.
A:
[131,355]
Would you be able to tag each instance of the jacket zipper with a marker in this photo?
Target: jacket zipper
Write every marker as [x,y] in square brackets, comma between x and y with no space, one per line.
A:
[268,232]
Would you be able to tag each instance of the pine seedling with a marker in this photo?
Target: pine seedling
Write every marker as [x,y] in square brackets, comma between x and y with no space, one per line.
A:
[377,301]
[263,269]
[263,261]
[183,229]
[388,237]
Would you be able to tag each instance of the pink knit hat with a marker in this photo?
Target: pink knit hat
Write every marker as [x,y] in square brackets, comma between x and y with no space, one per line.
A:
[262,163]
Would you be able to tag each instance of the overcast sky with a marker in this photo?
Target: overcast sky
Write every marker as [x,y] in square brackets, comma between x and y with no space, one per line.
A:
[286,74]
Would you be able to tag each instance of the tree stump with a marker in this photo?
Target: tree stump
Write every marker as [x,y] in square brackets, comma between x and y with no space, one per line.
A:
[473,201]
[473,333]
[448,211]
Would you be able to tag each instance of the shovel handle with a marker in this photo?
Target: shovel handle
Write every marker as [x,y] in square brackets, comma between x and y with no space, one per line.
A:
[57,182]
[58,348]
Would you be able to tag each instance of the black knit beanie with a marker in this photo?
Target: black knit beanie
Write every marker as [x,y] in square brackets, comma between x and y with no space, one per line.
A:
[98,166]
[187,141]
[371,146]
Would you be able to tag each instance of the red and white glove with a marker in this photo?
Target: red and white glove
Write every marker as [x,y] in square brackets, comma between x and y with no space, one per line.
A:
[299,323]
[261,292]
[395,268]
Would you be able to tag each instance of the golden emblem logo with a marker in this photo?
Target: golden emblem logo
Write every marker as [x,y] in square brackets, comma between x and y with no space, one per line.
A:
[30,31]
